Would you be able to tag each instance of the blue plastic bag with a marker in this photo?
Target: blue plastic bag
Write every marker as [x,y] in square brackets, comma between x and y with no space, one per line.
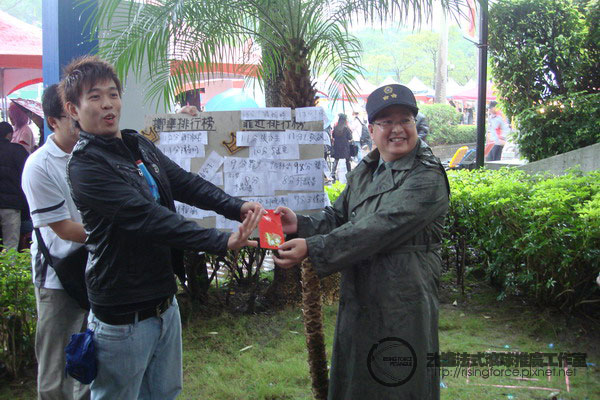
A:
[80,355]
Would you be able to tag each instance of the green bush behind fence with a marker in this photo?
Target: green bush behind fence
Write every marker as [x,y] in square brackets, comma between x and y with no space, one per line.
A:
[444,125]
[536,236]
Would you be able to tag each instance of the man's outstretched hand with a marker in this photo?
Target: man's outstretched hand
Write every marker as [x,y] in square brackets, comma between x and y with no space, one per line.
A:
[190,110]
[251,205]
[239,239]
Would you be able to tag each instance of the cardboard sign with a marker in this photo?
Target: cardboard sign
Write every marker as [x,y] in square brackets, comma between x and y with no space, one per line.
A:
[274,160]
[271,231]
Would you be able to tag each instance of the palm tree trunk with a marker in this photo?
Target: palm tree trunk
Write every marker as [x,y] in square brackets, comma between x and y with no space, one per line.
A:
[313,327]
[285,288]
[297,89]
[441,73]
[273,83]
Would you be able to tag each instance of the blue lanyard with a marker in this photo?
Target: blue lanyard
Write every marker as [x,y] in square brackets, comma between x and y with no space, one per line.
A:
[149,179]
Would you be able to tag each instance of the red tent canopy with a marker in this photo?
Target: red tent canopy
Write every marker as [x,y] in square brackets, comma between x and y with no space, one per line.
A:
[472,94]
[20,54]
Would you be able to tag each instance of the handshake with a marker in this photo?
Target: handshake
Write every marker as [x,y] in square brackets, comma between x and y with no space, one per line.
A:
[290,253]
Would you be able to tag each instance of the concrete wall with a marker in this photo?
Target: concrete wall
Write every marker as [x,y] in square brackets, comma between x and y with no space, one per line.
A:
[587,158]
[446,152]
[135,106]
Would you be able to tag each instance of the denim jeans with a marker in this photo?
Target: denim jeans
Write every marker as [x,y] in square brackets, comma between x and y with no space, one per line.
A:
[495,154]
[140,360]
[59,316]
[359,155]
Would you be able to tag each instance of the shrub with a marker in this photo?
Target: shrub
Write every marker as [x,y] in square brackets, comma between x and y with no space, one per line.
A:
[546,53]
[456,134]
[442,119]
[536,236]
[334,191]
[540,49]
[17,310]
[558,125]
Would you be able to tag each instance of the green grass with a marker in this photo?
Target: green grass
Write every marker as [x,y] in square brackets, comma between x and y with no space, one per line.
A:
[275,366]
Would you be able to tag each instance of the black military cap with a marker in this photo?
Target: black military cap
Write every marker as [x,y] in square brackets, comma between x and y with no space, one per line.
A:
[390,95]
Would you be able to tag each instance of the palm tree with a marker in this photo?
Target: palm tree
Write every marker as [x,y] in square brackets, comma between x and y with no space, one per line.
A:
[182,41]
[300,40]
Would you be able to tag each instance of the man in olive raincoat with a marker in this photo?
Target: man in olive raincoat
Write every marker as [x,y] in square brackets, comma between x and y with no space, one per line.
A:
[383,234]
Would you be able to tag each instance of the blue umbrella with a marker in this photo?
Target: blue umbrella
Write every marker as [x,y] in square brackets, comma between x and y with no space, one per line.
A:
[230,100]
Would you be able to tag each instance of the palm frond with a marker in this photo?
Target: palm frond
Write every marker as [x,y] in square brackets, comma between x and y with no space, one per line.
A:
[184,41]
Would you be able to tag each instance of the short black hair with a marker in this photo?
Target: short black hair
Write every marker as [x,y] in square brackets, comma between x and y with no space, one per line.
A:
[5,129]
[52,104]
[85,71]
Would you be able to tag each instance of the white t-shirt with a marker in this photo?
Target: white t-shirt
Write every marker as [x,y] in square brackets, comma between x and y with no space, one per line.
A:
[45,185]
[356,128]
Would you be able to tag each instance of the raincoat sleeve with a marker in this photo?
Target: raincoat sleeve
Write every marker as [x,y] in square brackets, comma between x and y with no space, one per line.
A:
[407,210]
[325,221]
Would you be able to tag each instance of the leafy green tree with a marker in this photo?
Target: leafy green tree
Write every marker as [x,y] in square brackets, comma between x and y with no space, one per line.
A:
[559,124]
[545,60]
[29,11]
[17,311]
[402,54]
[462,55]
[538,49]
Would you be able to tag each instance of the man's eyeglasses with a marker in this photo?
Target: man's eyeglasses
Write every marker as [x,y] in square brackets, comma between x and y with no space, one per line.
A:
[387,124]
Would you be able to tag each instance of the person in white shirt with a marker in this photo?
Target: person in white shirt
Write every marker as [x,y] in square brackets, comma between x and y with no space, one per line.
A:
[356,128]
[53,211]
[498,130]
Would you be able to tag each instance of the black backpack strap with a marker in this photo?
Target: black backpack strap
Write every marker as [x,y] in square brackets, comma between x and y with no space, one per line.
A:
[45,259]
[42,246]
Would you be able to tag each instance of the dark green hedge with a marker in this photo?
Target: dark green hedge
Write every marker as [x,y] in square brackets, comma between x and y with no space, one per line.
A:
[456,134]
[536,236]
[533,235]
[558,125]
[443,121]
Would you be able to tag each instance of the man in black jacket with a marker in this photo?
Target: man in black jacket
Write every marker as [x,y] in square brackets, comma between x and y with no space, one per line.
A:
[12,199]
[422,125]
[125,189]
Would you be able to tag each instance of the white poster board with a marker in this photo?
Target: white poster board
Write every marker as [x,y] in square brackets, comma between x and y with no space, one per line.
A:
[262,155]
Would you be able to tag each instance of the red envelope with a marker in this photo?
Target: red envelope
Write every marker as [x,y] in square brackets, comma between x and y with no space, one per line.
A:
[270,230]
